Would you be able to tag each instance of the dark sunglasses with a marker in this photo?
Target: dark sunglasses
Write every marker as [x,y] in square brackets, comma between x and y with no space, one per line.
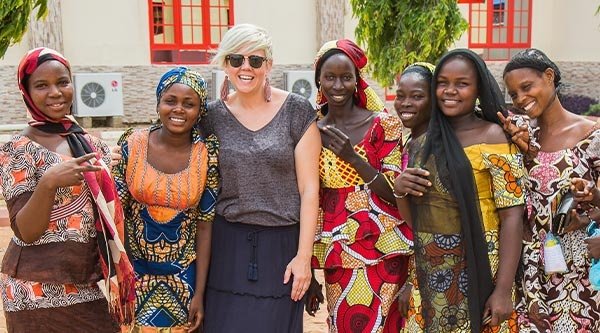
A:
[237,60]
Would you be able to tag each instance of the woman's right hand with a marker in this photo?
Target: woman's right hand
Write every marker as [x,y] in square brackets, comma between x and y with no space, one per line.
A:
[412,181]
[70,172]
[519,133]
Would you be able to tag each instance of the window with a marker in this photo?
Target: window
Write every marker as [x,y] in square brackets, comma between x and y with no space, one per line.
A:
[186,31]
[500,27]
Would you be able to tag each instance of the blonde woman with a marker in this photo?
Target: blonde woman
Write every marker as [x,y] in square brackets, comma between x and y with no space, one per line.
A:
[267,209]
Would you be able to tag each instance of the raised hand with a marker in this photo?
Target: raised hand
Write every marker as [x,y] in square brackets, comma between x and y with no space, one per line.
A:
[517,126]
[339,143]
[70,172]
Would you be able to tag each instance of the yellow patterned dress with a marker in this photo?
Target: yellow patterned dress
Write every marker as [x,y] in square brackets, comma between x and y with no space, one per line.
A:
[362,243]
[441,273]
[161,213]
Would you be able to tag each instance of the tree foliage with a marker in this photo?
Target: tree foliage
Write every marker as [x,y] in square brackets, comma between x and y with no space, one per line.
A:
[398,33]
[14,18]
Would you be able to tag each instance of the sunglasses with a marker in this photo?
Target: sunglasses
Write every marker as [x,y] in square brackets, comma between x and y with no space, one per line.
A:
[237,60]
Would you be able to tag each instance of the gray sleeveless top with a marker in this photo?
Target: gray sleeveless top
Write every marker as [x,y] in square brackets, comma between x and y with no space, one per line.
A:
[259,184]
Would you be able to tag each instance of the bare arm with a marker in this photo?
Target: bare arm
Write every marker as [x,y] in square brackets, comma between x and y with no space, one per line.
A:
[203,239]
[511,234]
[307,172]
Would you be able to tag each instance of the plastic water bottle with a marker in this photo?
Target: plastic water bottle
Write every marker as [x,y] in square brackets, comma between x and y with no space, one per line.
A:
[594,231]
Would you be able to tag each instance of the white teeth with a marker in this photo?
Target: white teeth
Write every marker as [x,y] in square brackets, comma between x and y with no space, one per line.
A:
[338,98]
[244,77]
[528,106]
[177,120]
[450,102]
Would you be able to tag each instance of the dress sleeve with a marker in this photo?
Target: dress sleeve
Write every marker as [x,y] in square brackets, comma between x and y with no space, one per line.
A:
[211,190]
[385,146]
[507,172]
[590,149]
[20,168]
[303,115]
[119,172]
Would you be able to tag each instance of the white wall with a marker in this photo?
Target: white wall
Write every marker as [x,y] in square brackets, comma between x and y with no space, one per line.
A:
[567,30]
[14,53]
[292,25]
[107,32]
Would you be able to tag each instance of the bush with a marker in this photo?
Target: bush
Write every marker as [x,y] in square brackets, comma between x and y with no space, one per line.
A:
[594,110]
[578,104]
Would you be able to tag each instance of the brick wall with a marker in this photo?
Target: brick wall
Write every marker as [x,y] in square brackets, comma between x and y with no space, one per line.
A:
[139,83]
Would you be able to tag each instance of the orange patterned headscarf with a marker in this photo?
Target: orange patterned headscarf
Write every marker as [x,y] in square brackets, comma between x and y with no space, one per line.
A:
[365,96]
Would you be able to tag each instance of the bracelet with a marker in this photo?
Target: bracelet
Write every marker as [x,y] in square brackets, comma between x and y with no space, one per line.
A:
[399,196]
[372,180]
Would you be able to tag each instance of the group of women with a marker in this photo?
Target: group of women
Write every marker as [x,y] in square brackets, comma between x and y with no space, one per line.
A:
[213,218]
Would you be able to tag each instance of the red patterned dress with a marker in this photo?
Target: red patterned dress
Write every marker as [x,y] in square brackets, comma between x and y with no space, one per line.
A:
[362,243]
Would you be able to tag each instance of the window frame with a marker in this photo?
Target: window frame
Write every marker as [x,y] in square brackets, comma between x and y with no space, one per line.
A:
[509,16]
[178,45]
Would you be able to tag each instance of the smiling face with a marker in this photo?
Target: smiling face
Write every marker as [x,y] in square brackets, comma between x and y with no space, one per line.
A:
[456,88]
[179,108]
[338,80]
[413,101]
[531,90]
[51,89]
[247,79]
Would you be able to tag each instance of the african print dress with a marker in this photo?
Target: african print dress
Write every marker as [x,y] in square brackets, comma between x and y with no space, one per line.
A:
[558,302]
[51,282]
[361,240]
[161,214]
[440,263]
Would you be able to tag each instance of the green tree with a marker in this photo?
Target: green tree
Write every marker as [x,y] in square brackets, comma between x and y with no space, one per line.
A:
[400,32]
[14,18]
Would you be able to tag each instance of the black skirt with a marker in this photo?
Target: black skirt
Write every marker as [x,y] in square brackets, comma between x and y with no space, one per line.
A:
[245,290]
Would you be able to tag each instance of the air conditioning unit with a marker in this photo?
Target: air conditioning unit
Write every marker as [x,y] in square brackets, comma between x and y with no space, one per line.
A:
[217,81]
[98,94]
[301,83]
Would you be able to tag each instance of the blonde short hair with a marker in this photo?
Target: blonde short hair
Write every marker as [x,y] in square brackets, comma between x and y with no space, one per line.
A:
[247,37]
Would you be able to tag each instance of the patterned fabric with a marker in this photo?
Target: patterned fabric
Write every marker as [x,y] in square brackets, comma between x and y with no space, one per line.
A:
[361,239]
[162,212]
[440,264]
[23,162]
[558,302]
[118,281]
[185,76]
[365,95]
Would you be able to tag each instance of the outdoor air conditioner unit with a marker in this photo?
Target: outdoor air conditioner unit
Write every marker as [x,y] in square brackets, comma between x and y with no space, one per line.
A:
[98,94]
[301,83]
[217,81]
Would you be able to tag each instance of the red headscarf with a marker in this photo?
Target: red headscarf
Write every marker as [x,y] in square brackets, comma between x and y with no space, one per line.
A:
[30,62]
[365,95]
[118,284]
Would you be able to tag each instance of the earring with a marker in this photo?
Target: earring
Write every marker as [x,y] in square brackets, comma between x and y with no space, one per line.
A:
[267,90]
[319,98]
[225,88]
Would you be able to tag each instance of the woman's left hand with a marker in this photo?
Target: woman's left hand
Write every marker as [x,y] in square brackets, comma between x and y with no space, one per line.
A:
[593,247]
[339,143]
[499,307]
[196,314]
[583,190]
[299,269]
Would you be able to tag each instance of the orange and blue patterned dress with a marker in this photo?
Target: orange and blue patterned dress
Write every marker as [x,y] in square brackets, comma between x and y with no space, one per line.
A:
[362,242]
[161,214]
[440,261]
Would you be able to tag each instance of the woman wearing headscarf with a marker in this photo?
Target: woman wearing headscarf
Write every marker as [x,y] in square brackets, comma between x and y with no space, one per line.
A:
[65,268]
[466,197]
[562,150]
[267,208]
[362,242]
[168,181]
